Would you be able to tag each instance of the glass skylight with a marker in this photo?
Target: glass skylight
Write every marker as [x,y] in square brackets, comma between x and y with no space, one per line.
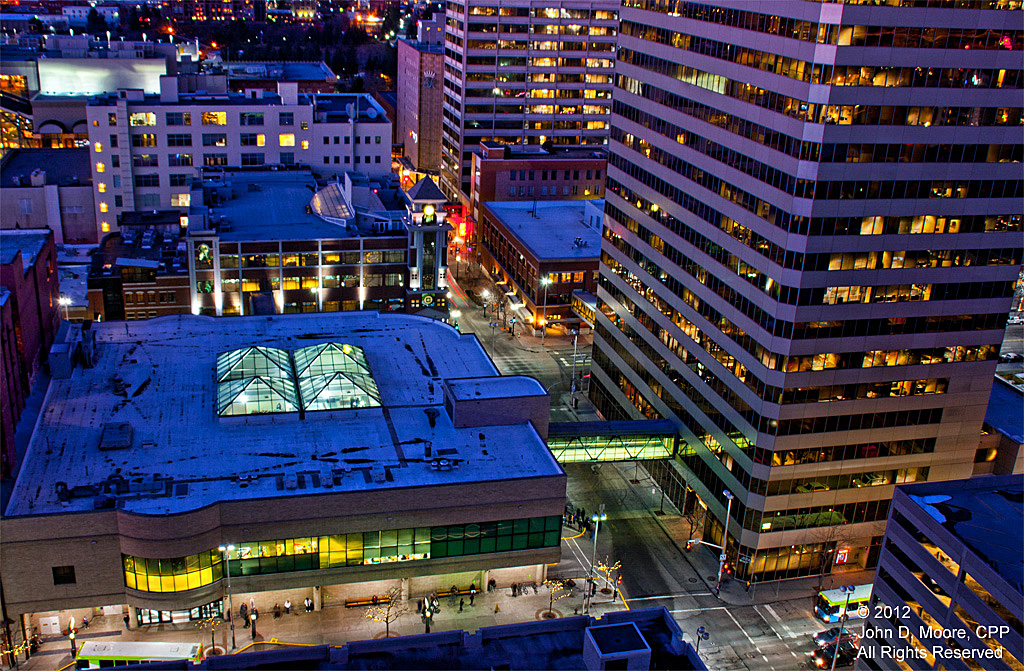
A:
[334,376]
[260,380]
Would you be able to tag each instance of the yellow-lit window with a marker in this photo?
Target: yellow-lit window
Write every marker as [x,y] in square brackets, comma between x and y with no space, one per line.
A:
[261,140]
[181,199]
[104,208]
[142,119]
[100,167]
[286,139]
[101,187]
[95,122]
[215,118]
[305,144]
[105,227]
[99,147]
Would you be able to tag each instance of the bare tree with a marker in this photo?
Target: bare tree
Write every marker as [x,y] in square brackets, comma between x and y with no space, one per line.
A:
[694,521]
[388,609]
[606,570]
[829,537]
[556,590]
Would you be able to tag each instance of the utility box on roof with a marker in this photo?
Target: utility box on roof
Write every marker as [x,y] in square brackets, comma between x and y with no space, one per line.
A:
[615,646]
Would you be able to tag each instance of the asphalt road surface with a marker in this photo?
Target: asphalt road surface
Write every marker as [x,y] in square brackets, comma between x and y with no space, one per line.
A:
[773,637]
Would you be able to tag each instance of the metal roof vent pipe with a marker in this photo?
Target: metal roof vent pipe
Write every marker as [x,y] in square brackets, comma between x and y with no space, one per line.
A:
[432,415]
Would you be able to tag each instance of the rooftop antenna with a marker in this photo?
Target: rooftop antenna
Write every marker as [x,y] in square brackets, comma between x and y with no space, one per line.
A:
[533,208]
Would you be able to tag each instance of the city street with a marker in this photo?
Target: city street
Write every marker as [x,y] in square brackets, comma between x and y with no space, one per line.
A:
[549,360]
[657,572]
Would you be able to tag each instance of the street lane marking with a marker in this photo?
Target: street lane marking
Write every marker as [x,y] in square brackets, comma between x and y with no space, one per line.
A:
[771,611]
[742,630]
[695,610]
[670,596]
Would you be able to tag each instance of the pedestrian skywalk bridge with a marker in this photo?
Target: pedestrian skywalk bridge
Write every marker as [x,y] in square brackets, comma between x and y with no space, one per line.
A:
[576,442]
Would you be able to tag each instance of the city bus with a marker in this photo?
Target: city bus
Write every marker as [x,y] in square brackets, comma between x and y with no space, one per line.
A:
[830,603]
[95,654]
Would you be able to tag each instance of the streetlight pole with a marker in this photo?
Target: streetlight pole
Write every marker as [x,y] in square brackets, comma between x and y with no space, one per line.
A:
[596,518]
[848,589]
[225,549]
[71,637]
[64,301]
[494,325]
[575,348]
[725,538]
[544,323]
[702,635]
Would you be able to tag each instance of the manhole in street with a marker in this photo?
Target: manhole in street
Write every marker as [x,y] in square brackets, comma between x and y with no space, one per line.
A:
[711,578]
[693,580]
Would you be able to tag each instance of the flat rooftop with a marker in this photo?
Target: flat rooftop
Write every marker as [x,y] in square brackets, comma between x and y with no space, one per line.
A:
[66,167]
[269,205]
[28,241]
[551,234]
[1004,410]
[341,107]
[985,513]
[490,387]
[279,70]
[533,151]
[159,376]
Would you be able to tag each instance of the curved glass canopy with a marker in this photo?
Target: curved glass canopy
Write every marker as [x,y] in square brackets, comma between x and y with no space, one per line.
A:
[330,203]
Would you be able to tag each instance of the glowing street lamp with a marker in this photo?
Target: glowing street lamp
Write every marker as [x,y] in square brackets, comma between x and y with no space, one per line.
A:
[64,301]
[596,518]
[545,282]
[225,549]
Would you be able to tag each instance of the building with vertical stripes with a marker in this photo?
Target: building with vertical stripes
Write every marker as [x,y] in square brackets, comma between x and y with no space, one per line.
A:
[812,231]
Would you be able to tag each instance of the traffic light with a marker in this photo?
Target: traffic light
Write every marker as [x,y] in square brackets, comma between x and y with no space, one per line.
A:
[618,581]
[727,568]
[689,545]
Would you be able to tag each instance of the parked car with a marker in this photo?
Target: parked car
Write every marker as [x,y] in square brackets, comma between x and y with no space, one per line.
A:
[1010,357]
[829,636]
[847,655]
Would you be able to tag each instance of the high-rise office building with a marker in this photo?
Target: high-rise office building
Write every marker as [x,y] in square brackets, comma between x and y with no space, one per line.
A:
[524,72]
[812,230]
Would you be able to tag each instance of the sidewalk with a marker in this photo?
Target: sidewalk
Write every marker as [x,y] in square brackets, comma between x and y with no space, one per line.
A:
[704,561]
[334,625]
[479,281]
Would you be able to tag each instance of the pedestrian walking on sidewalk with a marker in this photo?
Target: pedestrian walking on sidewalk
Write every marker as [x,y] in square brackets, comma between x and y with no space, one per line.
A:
[287,606]
[472,593]
[127,622]
[243,610]
[462,604]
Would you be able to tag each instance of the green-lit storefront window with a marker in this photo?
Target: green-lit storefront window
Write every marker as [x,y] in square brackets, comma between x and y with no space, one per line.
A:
[457,540]
[321,552]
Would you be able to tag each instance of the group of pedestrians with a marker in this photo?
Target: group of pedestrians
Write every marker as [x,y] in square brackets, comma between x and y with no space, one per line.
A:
[576,518]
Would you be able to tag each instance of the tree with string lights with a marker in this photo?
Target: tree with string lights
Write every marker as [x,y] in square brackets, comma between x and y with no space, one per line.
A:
[388,609]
